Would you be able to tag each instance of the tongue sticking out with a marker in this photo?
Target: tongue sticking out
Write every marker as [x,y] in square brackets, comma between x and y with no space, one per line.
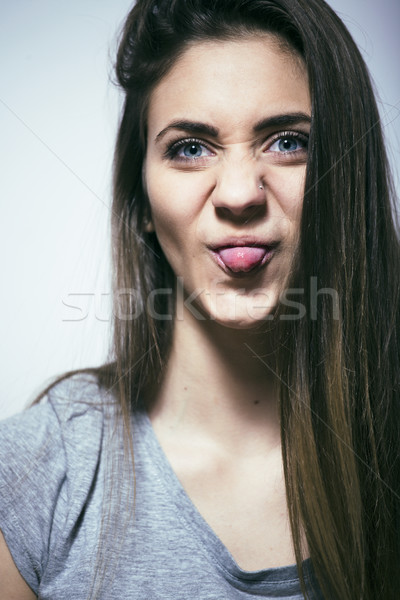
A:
[242,258]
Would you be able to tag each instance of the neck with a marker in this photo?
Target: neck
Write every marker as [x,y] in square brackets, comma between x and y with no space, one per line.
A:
[219,382]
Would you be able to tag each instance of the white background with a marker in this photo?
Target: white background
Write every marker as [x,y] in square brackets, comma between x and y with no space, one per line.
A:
[59,112]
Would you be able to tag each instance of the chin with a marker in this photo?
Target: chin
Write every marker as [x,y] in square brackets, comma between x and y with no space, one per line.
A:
[240,317]
[244,324]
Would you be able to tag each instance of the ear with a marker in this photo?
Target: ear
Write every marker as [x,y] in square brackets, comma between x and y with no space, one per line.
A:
[148,225]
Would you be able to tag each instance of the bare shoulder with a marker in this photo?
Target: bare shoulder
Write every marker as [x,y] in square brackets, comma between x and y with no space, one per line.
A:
[13,586]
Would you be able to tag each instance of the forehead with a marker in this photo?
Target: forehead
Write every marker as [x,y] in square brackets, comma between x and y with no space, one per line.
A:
[232,83]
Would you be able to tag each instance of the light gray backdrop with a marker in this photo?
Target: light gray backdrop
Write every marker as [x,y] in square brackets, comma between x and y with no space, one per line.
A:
[58,115]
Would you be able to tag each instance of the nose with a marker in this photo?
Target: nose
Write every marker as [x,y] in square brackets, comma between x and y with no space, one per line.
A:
[239,189]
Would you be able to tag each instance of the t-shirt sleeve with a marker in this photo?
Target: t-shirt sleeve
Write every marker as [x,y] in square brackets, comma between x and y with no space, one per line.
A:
[47,454]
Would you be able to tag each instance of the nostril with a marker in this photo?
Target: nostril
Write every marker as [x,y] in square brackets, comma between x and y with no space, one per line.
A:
[239,194]
[254,212]
[240,214]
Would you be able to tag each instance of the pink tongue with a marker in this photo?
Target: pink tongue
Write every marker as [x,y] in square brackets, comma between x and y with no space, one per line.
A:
[242,258]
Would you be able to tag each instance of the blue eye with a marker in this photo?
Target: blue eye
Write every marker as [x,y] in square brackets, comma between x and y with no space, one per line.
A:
[193,150]
[187,150]
[289,143]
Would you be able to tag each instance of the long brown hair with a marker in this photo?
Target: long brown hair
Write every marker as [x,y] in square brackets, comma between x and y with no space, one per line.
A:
[340,413]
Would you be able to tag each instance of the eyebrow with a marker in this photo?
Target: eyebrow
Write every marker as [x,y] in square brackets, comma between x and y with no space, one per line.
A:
[196,127]
[200,128]
[282,121]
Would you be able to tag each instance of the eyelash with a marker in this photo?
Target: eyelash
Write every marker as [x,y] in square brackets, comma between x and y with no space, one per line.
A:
[176,145]
[293,135]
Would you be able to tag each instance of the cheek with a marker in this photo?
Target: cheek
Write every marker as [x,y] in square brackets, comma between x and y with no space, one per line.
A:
[172,223]
[171,220]
[287,188]
[176,201]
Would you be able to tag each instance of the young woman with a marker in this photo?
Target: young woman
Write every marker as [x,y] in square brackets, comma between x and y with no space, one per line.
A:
[244,443]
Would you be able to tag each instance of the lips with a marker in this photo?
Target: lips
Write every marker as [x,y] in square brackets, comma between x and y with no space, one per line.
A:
[241,259]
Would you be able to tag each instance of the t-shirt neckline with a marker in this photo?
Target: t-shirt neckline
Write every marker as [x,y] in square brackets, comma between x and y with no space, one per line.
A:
[284,581]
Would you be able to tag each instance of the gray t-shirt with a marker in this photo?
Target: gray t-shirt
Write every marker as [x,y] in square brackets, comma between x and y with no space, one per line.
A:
[67,505]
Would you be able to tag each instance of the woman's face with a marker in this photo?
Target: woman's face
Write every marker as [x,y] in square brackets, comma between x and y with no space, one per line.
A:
[224,173]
